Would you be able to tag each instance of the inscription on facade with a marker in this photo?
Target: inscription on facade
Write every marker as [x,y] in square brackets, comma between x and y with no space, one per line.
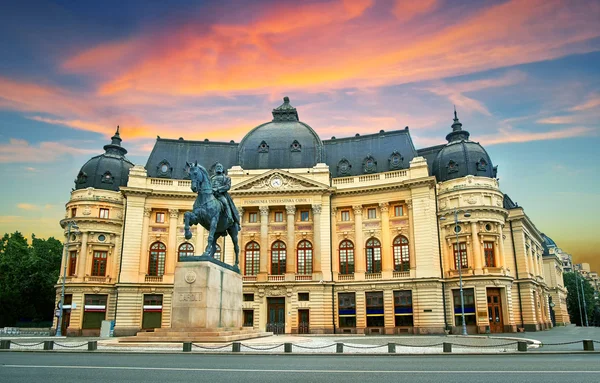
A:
[277,201]
[190,297]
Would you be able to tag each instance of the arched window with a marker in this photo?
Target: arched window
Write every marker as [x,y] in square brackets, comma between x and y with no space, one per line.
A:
[278,258]
[156,260]
[401,254]
[252,258]
[373,250]
[217,254]
[305,260]
[185,250]
[346,257]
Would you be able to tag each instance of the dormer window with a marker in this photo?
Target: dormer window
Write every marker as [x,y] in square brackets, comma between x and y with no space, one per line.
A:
[263,147]
[481,165]
[395,160]
[107,178]
[81,177]
[164,169]
[369,164]
[452,167]
[295,146]
[344,167]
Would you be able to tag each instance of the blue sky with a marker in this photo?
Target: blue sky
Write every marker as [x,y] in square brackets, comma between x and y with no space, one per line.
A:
[523,75]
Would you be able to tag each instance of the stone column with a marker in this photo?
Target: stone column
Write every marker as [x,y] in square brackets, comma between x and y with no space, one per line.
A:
[144,247]
[172,247]
[476,249]
[82,269]
[359,247]
[335,255]
[290,246]
[411,240]
[387,256]
[199,246]
[317,239]
[240,241]
[264,243]
[500,250]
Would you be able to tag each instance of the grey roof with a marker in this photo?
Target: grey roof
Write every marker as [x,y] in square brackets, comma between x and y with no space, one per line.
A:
[174,154]
[282,143]
[461,157]
[381,147]
[108,171]
[508,203]
[547,244]
[429,154]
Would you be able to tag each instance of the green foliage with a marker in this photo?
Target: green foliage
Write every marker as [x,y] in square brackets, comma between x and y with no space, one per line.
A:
[27,278]
[573,304]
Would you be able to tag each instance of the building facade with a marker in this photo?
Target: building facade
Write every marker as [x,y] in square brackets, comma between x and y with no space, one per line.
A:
[362,234]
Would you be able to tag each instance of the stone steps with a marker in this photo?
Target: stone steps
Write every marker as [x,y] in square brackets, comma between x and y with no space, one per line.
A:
[194,335]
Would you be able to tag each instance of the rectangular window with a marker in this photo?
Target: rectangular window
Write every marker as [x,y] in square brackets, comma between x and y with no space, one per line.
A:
[371,213]
[345,215]
[278,216]
[398,211]
[347,309]
[99,264]
[253,217]
[152,311]
[488,249]
[469,304]
[73,212]
[403,310]
[248,297]
[160,217]
[248,318]
[72,263]
[304,216]
[103,213]
[303,297]
[94,311]
[463,256]
[375,309]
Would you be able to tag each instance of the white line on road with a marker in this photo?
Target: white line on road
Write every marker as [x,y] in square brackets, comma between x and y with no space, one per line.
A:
[298,371]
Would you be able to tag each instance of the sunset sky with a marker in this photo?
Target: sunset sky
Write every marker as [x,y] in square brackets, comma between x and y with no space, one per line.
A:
[524,76]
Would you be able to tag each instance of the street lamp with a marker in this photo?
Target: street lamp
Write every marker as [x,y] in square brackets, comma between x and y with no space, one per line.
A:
[70,225]
[460,282]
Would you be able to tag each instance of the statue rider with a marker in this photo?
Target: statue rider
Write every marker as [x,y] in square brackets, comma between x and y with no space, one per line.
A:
[221,183]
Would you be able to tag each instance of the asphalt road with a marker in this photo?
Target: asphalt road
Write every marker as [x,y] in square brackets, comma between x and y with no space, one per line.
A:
[125,367]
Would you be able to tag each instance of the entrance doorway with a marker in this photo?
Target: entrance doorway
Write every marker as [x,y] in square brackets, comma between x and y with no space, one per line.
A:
[303,322]
[495,310]
[276,315]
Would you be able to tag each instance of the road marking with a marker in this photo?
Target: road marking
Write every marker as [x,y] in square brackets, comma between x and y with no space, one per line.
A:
[297,371]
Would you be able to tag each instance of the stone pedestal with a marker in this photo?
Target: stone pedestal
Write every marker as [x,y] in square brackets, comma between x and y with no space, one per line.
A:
[206,295]
[206,305]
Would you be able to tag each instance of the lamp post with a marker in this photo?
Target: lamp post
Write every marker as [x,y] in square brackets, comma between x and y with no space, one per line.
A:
[70,225]
[460,282]
[584,305]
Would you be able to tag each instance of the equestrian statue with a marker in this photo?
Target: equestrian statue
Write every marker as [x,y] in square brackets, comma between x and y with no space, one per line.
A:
[213,209]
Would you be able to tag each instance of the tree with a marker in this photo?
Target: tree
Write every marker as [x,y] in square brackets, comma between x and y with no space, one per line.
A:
[27,278]
[573,304]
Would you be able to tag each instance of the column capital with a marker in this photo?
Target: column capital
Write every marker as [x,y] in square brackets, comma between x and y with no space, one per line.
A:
[174,213]
[147,211]
[290,209]
[264,210]
[334,211]
[316,209]
[409,203]
[357,209]
[384,207]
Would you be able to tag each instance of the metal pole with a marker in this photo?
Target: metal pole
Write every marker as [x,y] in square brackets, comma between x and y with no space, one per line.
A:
[578,301]
[62,293]
[460,283]
[584,305]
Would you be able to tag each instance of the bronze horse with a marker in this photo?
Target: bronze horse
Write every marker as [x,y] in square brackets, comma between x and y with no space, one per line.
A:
[209,212]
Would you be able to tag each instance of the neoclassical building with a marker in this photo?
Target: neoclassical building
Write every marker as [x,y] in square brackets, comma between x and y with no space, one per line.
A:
[345,235]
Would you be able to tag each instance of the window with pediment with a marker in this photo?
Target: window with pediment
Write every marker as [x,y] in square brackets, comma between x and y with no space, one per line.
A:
[108,178]
[395,160]
[295,146]
[452,167]
[263,147]
[343,167]
[164,169]
[481,165]
[369,164]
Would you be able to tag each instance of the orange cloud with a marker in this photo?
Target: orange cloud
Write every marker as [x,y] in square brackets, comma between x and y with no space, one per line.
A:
[337,44]
[27,206]
[16,151]
[506,136]
[407,10]
[592,103]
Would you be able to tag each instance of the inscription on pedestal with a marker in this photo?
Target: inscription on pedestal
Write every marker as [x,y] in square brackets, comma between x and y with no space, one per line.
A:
[190,297]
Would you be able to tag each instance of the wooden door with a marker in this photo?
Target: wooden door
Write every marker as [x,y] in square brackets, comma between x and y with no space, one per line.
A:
[66,319]
[276,315]
[303,322]
[495,310]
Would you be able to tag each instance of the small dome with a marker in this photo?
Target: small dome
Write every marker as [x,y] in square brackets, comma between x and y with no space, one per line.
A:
[461,157]
[108,171]
[283,143]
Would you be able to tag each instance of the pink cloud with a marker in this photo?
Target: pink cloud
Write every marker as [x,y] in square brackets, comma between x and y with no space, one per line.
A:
[515,136]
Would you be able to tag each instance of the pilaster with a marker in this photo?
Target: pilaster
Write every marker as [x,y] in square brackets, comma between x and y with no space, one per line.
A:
[290,248]
[359,254]
[172,247]
[264,243]
[387,259]
[317,242]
